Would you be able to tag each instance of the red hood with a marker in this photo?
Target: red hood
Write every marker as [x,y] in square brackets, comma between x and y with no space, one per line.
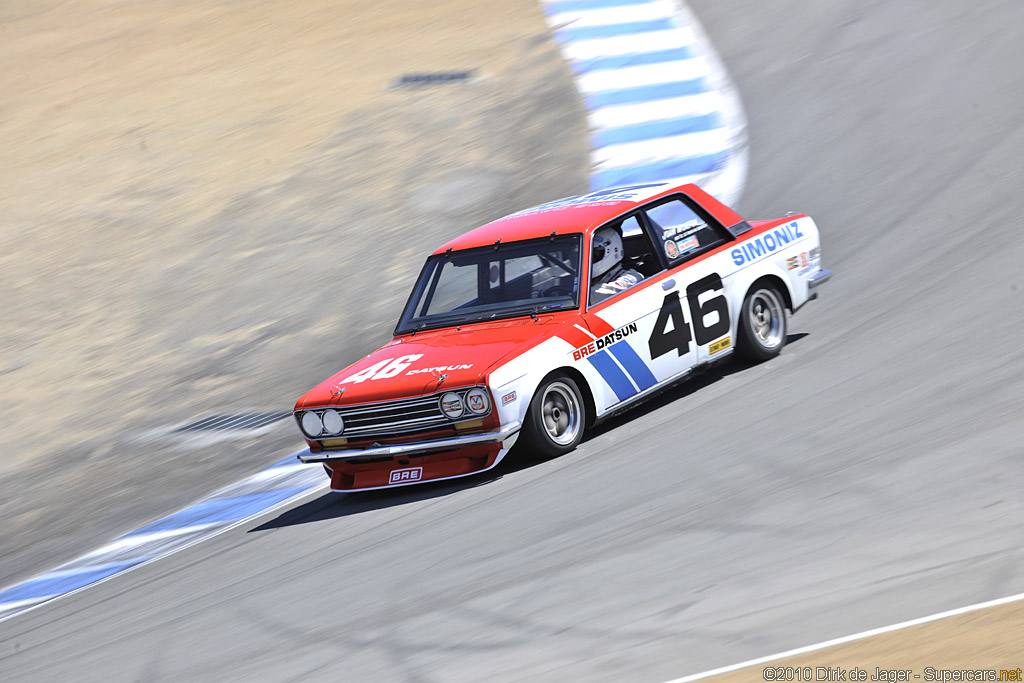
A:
[465,355]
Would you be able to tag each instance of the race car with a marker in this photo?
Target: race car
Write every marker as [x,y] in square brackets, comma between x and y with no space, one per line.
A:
[527,331]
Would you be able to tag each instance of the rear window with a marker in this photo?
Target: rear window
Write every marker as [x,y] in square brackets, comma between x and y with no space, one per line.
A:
[681,231]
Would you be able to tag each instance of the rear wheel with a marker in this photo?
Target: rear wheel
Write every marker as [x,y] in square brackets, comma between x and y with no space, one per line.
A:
[762,325]
[557,414]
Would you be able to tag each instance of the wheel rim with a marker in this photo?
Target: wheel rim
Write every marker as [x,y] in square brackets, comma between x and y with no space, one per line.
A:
[766,318]
[561,413]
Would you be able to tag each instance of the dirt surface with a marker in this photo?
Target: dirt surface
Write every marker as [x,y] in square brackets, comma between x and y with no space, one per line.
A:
[984,640]
[211,206]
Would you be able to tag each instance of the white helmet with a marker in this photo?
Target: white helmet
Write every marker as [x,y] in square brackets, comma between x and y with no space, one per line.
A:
[606,252]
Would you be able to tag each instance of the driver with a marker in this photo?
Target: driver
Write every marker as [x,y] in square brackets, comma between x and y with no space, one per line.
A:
[607,275]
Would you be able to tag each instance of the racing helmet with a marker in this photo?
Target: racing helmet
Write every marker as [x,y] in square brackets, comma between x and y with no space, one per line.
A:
[606,252]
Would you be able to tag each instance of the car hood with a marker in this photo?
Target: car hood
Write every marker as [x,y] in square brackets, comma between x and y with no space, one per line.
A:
[464,354]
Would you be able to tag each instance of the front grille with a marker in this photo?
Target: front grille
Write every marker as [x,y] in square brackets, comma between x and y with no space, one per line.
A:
[394,418]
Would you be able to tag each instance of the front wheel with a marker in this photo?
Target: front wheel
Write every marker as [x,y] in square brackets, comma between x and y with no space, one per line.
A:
[554,423]
[762,325]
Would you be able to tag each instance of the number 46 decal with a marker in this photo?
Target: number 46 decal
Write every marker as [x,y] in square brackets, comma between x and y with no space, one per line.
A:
[379,371]
[679,337]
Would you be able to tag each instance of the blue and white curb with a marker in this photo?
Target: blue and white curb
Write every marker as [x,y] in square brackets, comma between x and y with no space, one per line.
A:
[276,486]
[660,104]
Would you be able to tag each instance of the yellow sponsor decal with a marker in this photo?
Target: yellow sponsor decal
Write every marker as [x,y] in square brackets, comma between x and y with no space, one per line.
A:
[719,345]
[333,443]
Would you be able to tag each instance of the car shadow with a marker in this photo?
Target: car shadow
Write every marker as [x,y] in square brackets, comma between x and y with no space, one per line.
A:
[333,505]
[336,505]
[674,392]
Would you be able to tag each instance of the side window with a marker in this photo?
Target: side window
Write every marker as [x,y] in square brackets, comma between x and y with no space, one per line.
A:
[621,256]
[681,232]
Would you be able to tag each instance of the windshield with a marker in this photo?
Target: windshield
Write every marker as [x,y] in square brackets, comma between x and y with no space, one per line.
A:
[518,278]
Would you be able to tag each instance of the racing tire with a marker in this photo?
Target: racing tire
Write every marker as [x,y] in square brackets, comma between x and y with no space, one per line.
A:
[555,420]
[761,332]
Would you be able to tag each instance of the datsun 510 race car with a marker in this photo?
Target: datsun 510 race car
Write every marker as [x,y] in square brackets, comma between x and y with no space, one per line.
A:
[532,327]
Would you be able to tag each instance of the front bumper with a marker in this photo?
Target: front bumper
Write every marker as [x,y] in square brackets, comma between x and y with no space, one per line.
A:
[410,448]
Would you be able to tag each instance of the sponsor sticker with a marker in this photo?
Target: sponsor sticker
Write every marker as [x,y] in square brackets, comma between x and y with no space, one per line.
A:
[440,368]
[810,261]
[678,232]
[792,263]
[451,405]
[756,248]
[719,345]
[508,398]
[407,474]
[606,340]
[689,244]
[476,403]
[671,249]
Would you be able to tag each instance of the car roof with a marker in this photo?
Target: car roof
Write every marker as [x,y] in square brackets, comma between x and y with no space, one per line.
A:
[580,214]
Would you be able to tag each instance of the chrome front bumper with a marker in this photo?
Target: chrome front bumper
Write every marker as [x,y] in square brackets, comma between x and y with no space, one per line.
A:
[409,448]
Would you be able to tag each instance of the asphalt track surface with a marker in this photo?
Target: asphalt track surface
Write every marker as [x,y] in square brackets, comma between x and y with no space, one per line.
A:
[869,475]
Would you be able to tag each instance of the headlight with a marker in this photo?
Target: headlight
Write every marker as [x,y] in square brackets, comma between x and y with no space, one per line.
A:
[452,406]
[333,422]
[311,424]
[477,401]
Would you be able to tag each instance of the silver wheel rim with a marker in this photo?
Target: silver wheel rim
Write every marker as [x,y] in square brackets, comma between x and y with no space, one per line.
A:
[766,318]
[560,412]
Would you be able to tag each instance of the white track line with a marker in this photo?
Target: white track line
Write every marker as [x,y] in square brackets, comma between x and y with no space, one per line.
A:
[849,639]
[298,497]
[275,472]
[134,540]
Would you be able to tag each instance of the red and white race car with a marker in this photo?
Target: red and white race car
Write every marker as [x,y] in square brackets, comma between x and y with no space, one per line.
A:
[503,339]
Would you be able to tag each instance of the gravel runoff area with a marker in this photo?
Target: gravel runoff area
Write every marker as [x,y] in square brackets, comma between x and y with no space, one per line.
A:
[209,207]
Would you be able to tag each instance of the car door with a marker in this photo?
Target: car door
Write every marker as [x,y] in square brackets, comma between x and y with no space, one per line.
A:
[698,307]
[634,346]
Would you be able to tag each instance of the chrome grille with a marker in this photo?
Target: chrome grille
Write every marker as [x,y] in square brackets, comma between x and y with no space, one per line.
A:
[389,418]
[396,417]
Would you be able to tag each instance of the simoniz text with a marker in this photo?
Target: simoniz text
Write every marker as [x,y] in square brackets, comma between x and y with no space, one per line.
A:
[767,243]
[606,340]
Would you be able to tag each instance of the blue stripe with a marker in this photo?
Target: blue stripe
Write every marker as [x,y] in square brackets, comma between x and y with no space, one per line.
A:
[646,93]
[583,5]
[571,35]
[612,374]
[620,61]
[220,510]
[673,168]
[47,584]
[634,365]
[657,129]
